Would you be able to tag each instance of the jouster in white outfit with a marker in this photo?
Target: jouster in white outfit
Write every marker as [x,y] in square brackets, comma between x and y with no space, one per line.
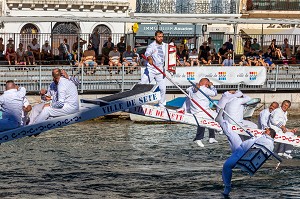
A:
[52,93]
[227,97]
[158,53]
[11,103]
[203,101]
[238,148]
[277,119]
[235,108]
[263,119]
[67,101]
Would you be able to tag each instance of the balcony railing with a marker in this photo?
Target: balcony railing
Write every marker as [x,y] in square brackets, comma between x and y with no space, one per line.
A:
[186,7]
[288,5]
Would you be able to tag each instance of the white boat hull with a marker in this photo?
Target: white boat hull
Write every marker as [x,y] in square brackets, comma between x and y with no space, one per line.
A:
[173,116]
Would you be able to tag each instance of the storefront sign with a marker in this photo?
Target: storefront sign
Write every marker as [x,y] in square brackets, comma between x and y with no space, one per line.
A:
[179,29]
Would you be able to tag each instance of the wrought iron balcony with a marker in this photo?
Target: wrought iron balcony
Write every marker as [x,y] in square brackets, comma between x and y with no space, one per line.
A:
[286,5]
[186,7]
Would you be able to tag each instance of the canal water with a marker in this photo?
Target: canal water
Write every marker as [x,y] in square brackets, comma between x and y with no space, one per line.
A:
[121,159]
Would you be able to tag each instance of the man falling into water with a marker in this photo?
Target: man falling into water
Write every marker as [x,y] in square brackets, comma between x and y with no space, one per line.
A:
[239,148]
[155,54]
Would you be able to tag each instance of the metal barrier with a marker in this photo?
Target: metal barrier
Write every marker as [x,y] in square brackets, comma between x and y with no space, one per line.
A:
[101,80]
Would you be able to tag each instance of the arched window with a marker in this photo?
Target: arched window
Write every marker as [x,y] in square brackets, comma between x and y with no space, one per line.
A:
[61,30]
[104,33]
[27,33]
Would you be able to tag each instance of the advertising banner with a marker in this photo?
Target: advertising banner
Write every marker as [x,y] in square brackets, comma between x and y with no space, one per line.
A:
[219,75]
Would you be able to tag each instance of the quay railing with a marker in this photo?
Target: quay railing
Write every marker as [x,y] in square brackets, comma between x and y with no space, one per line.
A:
[105,80]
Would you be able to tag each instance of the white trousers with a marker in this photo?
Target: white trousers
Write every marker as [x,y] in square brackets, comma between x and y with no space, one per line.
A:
[55,112]
[148,77]
[36,110]
[7,124]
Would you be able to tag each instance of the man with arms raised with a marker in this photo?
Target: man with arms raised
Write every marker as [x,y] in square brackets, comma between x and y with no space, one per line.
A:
[227,97]
[155,54]
[207,87]
[67,99]
[235,108]
[11,105]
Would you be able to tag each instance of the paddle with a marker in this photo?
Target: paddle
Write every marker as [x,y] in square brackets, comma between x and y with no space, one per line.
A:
[195,86]
[195,102]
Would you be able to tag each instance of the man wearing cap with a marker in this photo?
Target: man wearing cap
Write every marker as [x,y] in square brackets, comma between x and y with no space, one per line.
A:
[46,51]
[10,44]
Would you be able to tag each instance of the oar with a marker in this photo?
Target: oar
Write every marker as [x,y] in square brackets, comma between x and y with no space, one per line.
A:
[195,102]
[194,85]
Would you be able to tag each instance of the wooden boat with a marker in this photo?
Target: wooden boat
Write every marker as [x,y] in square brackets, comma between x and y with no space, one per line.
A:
[176,103]
[89,109]
[187,118]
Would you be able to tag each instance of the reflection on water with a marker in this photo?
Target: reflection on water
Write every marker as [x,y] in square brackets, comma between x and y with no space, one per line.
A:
[122,159]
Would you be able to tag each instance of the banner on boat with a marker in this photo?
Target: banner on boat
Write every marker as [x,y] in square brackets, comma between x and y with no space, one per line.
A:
[219,75]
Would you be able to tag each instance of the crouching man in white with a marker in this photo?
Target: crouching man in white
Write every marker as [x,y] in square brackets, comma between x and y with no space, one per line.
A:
[277,121]
[49,96]
[67,99]
[239,148]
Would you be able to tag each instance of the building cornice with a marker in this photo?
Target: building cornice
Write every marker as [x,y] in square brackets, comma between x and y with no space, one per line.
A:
[81,5]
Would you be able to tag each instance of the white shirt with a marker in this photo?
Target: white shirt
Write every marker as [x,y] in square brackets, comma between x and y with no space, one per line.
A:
[277,118]
[158,60]
[227,97]
[66,94]
[200,98]
[263,119]
[34,47]
[264,140]
[11,103]
[46,48]
[193,55]
[20,52]
[235,108]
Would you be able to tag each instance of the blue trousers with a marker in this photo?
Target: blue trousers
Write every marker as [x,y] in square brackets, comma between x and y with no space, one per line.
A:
[237,152]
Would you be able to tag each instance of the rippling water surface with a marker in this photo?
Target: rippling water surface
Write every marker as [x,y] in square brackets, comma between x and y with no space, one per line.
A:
[122,159]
